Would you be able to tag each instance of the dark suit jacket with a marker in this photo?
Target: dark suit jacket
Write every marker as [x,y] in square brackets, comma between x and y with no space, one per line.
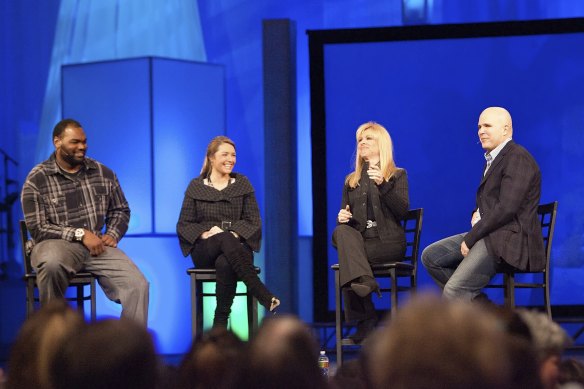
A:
[508,197]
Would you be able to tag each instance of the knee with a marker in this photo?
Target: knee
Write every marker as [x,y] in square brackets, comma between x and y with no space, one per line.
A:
[222,266]
[426,256]
[51,266]
[342,231]
[453,291]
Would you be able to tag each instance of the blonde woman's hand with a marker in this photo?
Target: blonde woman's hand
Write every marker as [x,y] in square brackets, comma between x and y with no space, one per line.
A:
[375,174]
[344,215]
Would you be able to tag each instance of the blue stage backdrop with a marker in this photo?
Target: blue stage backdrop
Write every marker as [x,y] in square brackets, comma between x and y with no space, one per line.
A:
[427,85]
[150,120]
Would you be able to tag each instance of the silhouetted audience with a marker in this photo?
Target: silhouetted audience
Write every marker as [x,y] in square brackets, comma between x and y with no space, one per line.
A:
[549,340]
[37,342]
[571,372]
[210,360]
[430,343]
[283,355]
[108,354]
[433,343]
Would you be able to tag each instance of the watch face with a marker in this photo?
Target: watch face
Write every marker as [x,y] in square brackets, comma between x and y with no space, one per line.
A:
[79,233]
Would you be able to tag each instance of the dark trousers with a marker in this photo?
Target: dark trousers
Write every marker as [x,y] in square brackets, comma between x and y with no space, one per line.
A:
[356,253]
[231,260]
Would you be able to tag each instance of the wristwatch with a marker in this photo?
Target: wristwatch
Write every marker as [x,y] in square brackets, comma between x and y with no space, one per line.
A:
[79,234]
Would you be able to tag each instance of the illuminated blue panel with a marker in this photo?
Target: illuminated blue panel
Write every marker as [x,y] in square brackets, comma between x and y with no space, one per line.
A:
[169,316]
[112,102]
[188,111]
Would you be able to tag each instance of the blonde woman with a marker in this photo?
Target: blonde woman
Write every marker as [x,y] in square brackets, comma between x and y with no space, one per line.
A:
[220,227]
[375,200]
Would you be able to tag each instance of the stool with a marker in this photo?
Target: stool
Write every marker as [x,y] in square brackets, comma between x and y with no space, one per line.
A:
[200,276]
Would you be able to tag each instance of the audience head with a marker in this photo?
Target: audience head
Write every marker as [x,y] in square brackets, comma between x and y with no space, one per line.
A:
[433,343]
[108,354]
[217,144]
[571,371]
[283,355]
[549,341]
[377,147]
[38,340]
[210,359]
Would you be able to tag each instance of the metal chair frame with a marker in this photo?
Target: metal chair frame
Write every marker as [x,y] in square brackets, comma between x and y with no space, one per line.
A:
[79,281]
[408,268]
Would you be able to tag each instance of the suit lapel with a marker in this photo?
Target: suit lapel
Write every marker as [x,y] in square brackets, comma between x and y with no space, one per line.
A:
[497,161]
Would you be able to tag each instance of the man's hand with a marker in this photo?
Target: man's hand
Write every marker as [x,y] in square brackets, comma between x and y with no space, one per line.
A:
[93,243]
[464,249]
[109,240]
[475,218]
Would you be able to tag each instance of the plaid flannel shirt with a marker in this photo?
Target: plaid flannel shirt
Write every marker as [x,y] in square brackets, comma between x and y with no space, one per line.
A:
[55,203]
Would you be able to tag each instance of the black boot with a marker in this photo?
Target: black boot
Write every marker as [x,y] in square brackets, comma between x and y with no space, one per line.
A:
[225,288]
[246,272]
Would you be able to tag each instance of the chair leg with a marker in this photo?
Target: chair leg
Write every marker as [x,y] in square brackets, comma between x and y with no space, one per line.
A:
[252,314]
[194,306]
[29,297]
[393,276]
[509,283]
[80,290]
[546,294]
[92,300]
[338,323]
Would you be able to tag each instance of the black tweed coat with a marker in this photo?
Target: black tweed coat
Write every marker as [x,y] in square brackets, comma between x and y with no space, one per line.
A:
[204,207]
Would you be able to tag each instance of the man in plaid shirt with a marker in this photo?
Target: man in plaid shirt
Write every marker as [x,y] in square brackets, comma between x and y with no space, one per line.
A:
[67,201]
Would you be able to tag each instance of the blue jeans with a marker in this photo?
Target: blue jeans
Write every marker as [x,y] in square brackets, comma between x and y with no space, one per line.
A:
[459,277]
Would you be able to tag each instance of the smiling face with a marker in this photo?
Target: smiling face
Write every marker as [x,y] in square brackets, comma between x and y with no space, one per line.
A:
[71,147]
[367,146]
[223,161]
[494,127]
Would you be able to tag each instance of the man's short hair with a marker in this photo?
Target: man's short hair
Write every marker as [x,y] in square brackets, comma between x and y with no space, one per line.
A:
[63,124]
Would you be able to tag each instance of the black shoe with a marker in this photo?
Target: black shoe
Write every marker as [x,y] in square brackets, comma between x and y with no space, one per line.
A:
[365,287]
[364,328]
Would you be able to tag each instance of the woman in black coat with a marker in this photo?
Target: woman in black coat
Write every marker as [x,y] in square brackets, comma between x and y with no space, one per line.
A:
[375,200]
[220,227]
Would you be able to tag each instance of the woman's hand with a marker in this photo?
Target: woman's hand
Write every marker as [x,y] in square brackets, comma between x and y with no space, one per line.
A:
[213,231]
[344,215]
[375,174]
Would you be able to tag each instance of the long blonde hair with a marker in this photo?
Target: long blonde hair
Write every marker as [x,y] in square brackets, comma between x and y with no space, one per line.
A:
[385,145]
[212,148]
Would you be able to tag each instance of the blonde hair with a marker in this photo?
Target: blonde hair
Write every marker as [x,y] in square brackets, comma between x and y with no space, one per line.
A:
[212,148]
[385,145]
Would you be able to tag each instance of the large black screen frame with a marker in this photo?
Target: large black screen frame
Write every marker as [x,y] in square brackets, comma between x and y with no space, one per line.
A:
[318,40]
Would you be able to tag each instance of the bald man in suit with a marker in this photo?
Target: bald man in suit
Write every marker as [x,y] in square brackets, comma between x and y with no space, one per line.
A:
[504,226]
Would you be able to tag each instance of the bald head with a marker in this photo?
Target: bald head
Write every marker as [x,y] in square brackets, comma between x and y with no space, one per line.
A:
[495,126]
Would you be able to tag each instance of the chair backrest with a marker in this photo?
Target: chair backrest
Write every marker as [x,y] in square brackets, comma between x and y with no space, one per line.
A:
[547,218]
[24,245]
[412,224]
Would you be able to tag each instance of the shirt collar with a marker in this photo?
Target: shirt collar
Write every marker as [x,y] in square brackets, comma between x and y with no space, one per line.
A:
[493,153]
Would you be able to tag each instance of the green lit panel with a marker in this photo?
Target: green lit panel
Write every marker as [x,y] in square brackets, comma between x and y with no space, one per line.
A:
[238,318]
